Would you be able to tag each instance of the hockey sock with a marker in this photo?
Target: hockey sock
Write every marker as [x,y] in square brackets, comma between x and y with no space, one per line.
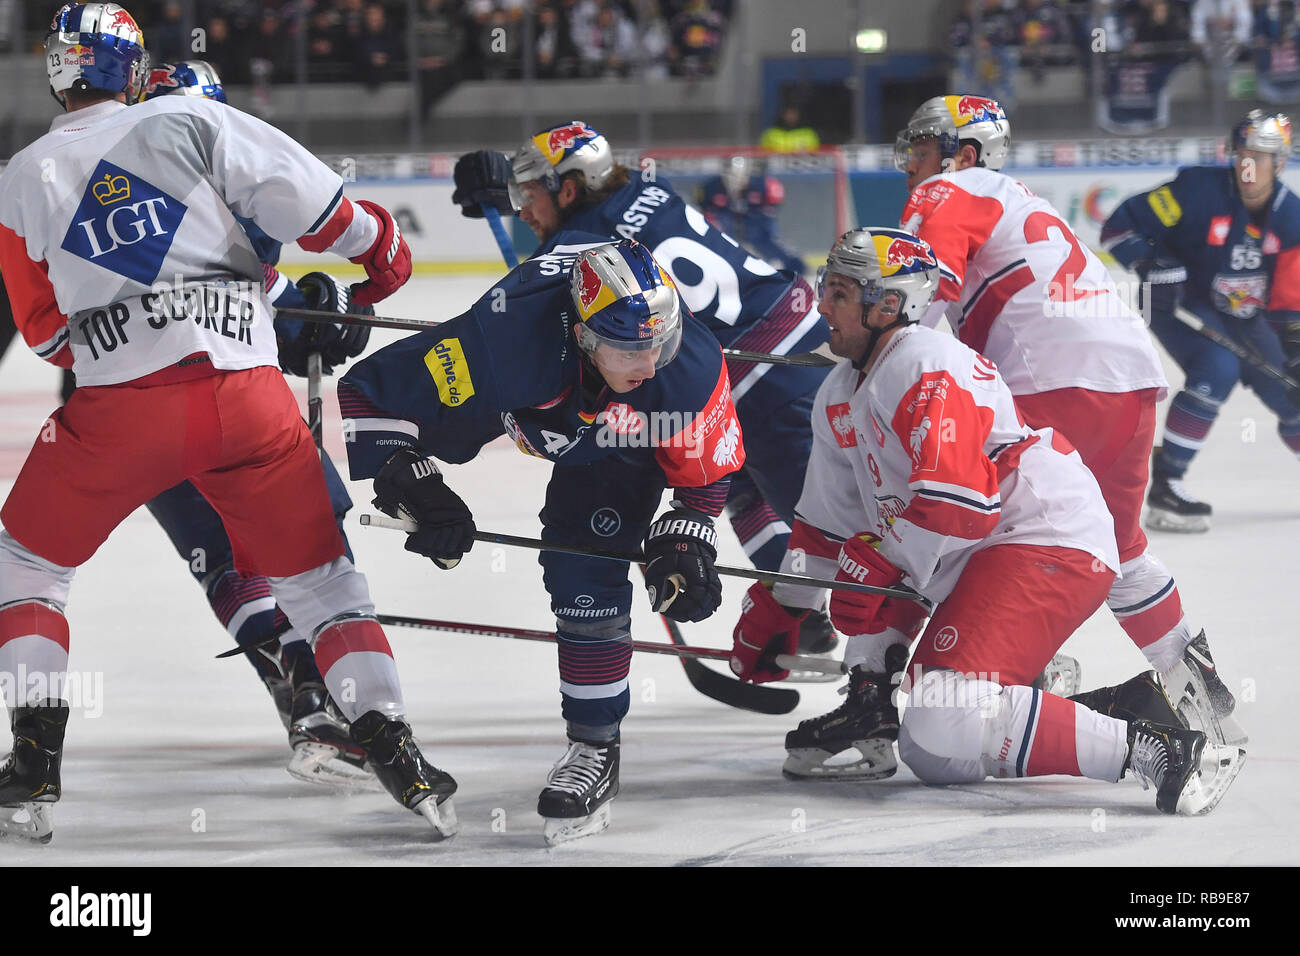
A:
[593,675]
[247,611]
[1186,427]
[33,653]
[358,667]
[762,534]
[1146,604]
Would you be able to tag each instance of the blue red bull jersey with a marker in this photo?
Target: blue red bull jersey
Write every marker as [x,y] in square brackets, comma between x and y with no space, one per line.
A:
[1238,264]
[510,366]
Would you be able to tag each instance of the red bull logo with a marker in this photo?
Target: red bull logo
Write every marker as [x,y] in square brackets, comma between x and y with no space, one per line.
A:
[121,19]
[650,327]
[589,284]
[977,107]
[163,78]
[906,252]
[564,137]
[78,55]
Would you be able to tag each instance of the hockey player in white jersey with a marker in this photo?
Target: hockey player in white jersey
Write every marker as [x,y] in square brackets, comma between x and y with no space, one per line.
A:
[123,260]
[924,475]
[1017,285]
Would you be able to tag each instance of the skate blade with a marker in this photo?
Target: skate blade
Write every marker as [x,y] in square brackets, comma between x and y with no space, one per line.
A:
[320,764]
[812,677]
[1064,676]
[29,822]
[1186,690]
[1160,520]
[441,816]
[877,762]
[1219,767]
[567,829]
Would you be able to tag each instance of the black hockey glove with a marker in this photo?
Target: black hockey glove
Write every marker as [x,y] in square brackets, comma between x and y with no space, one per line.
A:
[680,549]
[482,178]
[335,343]
[410,486]
[1162,286]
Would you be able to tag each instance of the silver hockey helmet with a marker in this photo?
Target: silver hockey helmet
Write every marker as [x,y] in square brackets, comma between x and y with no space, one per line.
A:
[956,120]
[627,303]
[185,78]
[1264,133]
[558,150]
[95,46]
[885,262]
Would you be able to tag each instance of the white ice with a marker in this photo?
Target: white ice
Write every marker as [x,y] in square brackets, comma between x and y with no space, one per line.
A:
[185,763]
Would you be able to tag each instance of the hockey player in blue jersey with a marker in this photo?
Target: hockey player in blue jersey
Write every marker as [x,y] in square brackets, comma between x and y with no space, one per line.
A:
[318,733]
[585,356]
[566,178]
[742,202]
[1225,243]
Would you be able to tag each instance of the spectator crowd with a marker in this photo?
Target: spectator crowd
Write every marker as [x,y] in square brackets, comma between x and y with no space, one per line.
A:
[453,40]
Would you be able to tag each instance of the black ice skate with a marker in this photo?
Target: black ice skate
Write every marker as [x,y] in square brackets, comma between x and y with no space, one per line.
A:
[1138,698]
[1169,758]
[323,749]
[817,638]
[1171,508]
[867,721]
[396,760]
[1200,696]
[29,779]
[579,791]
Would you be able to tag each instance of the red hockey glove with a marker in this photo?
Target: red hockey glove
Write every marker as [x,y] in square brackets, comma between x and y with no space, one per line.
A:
[854,613]
[764,630]
[387,262]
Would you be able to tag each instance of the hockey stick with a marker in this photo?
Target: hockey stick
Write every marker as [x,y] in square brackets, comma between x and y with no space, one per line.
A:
[809,359]
[315,407]
[1189,318]
[535,544]
[499,234]
[684,651]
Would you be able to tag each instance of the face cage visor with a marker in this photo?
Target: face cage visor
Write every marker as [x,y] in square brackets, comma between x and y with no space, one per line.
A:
[624,358]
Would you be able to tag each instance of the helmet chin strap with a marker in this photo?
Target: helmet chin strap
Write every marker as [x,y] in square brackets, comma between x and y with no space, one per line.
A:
[876,333]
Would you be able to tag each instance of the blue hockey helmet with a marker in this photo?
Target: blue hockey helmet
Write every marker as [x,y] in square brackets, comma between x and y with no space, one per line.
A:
[627,303]
[95,46]
[185,78]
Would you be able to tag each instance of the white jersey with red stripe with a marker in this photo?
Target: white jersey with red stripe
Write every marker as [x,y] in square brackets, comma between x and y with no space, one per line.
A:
[1018,285]
[119,243]
[928,453]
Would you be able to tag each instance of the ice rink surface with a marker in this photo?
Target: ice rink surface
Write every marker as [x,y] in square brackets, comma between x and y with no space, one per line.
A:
[180,759]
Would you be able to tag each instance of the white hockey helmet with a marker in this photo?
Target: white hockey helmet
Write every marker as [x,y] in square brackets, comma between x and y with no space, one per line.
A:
[559,150]
[95,46]
[885,262]
[955,121]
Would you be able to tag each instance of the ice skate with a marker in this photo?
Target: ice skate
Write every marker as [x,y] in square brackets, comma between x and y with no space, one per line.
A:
[1175,760]
[1138,698]
[274,671]
[817,638]
[867,722]
[1171,508]
[1200,696]
[413,782]
[580,791]
[323,749]
[29,779]
[1062,677]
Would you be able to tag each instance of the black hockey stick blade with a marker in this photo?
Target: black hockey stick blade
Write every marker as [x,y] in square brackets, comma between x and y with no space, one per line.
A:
[759,698]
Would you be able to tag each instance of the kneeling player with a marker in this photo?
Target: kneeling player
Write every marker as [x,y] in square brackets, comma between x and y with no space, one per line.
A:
[922,473]
[607,376]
